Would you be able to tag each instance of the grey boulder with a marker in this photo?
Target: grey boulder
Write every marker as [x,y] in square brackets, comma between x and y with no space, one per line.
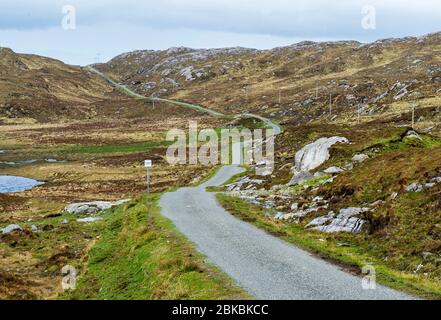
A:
[333,170]
[311,157]
[300,178]
[11,228]
[414,187]
[413,135]
[92,207]
[359,158]
[315,154]
[90,219]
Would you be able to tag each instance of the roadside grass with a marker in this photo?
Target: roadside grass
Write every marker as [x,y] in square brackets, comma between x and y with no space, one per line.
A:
[210,174]
[339,249]
[113,148]
[34,259]
[141,256]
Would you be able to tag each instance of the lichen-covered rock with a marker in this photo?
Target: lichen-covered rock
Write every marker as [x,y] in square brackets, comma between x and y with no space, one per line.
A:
[414,187]
[311,157]
[90,219]
[300,178]
[321,220]
[348,220]
[333,170]
[413,135]
[92,207]
[315,154]
[11,228]
[359,158]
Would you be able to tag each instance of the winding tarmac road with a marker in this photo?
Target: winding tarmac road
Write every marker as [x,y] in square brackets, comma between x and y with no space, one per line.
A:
[266,266]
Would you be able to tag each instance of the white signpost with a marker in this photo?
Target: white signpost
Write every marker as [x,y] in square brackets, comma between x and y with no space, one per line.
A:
[148,164]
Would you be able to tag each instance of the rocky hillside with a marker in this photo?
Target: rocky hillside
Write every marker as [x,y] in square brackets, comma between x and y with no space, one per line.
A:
[295,81]
[45,89]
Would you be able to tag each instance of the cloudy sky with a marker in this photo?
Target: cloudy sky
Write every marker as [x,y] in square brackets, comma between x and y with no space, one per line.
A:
[97,30]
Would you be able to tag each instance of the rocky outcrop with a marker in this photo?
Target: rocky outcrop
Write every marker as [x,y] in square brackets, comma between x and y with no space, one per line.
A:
[246,182]
[312,156]
[92,207]
[348,220]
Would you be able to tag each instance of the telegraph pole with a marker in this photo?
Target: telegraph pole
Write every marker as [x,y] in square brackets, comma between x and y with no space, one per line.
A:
[330,104]
[413,116]
[316,90]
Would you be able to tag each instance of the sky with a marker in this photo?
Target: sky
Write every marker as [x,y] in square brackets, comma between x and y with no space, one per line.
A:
[90,31]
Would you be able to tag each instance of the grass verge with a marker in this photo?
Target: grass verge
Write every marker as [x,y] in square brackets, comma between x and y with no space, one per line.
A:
[141,256]
[350,257]
[114,149]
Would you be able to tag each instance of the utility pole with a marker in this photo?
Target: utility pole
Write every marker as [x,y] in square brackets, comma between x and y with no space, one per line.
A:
[330,104]
[98,58]
[316,90]
[413,116]
[205,90]
[280,96]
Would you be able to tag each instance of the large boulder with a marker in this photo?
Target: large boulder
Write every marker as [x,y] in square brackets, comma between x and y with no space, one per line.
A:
[92,207]
[313,156]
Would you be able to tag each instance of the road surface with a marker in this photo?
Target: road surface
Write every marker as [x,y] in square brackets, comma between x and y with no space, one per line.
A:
[265,266]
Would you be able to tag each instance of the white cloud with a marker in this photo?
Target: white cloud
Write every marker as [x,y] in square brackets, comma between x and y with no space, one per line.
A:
[257,23]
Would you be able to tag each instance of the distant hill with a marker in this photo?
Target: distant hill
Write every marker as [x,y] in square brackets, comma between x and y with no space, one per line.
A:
[292,83]
[382,77]
[46,89]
